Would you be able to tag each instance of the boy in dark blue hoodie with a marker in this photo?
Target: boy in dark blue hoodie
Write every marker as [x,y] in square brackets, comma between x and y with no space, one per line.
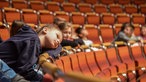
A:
[22,50]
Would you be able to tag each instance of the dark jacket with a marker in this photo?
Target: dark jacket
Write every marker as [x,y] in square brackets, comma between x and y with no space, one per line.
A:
[21,53]
[69,43]
[54,53]
[1,40]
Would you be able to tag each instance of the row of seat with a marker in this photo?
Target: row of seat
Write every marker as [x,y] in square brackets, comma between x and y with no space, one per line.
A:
[111,62]
[98,34]
[137,2]
[71,7]
[44,16]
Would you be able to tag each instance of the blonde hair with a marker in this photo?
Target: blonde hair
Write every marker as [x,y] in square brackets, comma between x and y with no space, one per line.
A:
[64,25]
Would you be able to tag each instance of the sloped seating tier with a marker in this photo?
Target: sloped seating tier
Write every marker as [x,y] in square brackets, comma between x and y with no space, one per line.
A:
[117,62]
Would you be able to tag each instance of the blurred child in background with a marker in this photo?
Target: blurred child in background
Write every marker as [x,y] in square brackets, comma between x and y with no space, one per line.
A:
[126,33]
[82,33]
[143,32]
[66,29]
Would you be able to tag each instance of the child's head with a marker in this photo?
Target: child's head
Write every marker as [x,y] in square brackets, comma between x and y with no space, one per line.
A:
[143,30]
[81,32]
[128,29]
[16,25]
[66,29]
[50,36]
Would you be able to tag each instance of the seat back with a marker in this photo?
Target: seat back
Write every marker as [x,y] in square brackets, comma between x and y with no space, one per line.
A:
[11,14]
[53,6]
[62,14]
[4,3]
[115,8]
[45,17]
[94,34]
[100,8]
[77,18]
[83,64]
[131,9]
[123,18]
[107,32]
[20,4]
[29,16]
[37,5]
[93,18]
[84,7]
[69,7]
[108,18]
[92,63]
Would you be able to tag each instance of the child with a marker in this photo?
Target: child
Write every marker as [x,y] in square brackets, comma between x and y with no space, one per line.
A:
[126,33]
[66,29]
[22,50]
[82,34]
[143,32]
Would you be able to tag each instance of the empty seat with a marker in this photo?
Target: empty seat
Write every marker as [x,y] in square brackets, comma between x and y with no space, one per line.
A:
[100,8]
[108,18]
[45,17]
[137,29]
[53,6]
[62,14]
[123,18]
[4,32]
[4,3]
[83,64]
[84,7]
[142,8]
[93,18]
[92,63]
[107,32]
[138,19]
[139,2]
[138,55]
[144,50]
[11,14]
[69,7]
[29,16]
[124,2]
[60,1]
[77,18]
[115,61]
[107,2]
[37,5]
[103,63]
[39,0]
[74,1]
[75,63]
[20,4]
[59,64]
[115,8]
[93,33]
[117,28]
[125,56]
[91,1]
[1,16]
[131,9]
[66,63]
